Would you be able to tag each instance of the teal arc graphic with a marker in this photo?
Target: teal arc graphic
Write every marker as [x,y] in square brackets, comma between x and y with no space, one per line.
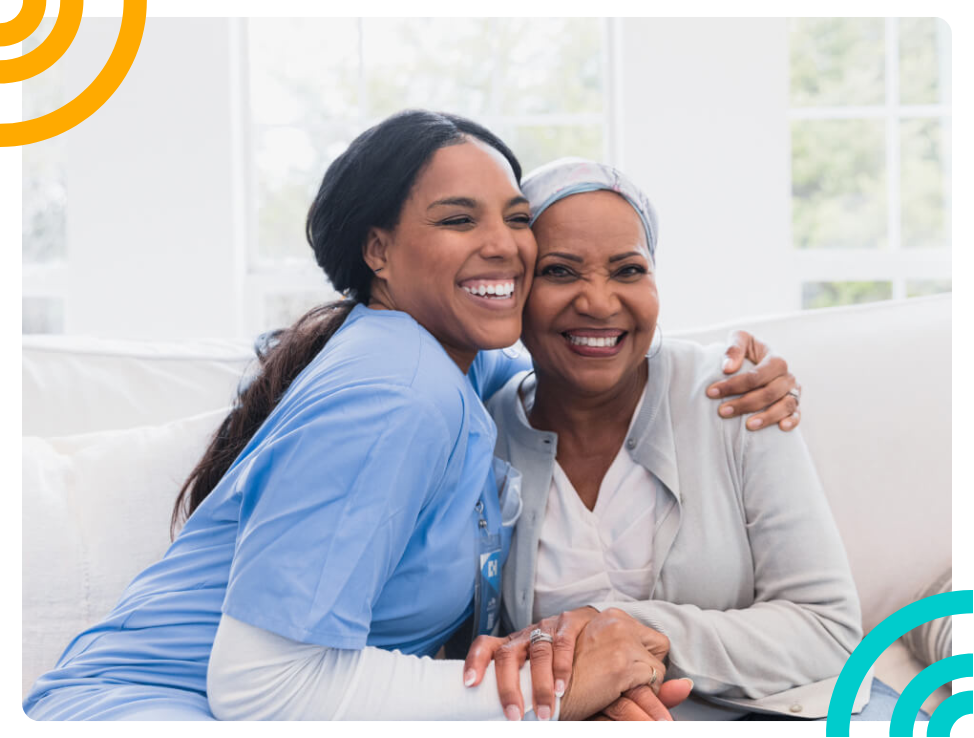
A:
[922,686]
[879,639]
[954,707]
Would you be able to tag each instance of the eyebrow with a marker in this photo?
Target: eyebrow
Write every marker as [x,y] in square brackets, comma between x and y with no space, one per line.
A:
[574,257]
[469,202]
[620,257]
[570,257]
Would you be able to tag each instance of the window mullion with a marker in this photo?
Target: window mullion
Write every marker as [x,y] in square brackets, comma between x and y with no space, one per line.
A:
[893,135]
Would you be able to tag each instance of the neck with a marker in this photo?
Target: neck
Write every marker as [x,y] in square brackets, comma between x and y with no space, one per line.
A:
[561,408]
[380,299]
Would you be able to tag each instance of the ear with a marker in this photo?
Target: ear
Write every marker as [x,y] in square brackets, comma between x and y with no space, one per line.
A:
[375,250]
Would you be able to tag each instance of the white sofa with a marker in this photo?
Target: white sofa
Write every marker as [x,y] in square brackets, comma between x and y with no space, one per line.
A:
[112,428]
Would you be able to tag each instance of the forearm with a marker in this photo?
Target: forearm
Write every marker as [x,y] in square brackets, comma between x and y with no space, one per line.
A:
[257,675]
[752,652]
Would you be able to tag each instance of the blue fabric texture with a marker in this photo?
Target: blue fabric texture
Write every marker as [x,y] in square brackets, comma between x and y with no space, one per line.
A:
[348,520]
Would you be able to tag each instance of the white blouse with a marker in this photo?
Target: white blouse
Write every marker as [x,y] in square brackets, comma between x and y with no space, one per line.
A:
[599,555]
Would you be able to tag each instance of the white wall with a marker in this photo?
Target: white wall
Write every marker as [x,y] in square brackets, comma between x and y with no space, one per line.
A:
[151,242]
[154,185]
[705,134]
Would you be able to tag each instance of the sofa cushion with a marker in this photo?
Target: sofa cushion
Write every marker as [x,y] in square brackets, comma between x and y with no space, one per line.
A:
[876,412]
[76,384]
[96,510]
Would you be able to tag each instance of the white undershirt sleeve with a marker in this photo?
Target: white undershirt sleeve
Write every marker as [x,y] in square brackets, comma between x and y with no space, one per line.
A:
[258,675]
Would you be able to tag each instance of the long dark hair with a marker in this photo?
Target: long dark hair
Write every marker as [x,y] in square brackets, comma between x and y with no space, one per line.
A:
[363,188]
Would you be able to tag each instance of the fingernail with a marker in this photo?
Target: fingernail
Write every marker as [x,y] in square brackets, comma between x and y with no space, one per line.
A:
[469,677]
[713,392]
[544,713]
[559,687]
[786,425]
[726,410]
[726,363]
[512,712]
[687,679]
[755,423]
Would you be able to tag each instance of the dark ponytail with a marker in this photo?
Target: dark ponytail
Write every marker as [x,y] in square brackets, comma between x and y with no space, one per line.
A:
[363,188]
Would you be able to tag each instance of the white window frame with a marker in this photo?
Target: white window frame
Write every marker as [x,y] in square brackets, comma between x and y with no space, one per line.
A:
[894,263]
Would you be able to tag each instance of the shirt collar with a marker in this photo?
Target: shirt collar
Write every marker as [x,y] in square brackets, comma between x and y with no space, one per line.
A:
[650,442]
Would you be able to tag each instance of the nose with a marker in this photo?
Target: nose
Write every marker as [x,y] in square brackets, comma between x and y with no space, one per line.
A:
[499,242]
[597,299]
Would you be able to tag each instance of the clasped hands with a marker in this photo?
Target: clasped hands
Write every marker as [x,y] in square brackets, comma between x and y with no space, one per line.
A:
[605,666]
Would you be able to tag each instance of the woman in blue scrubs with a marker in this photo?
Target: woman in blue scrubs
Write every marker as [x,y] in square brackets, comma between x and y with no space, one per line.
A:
[350,498]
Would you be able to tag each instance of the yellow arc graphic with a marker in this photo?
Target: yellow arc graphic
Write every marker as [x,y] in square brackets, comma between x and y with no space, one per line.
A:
[27,20]
[52,49]
[94,95]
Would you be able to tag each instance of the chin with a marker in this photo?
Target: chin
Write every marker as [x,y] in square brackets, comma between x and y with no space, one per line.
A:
[594,382]
[500,336]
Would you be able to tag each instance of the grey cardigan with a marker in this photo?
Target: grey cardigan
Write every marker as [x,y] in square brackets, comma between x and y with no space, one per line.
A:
[751,583]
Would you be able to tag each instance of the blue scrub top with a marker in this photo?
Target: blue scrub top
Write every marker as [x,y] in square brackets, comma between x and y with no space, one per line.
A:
[348,520]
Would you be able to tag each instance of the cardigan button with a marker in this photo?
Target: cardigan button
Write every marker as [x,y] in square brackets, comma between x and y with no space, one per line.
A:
[631,444]
[795,708]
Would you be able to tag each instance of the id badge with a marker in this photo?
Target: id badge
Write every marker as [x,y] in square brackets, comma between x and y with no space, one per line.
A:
[497,509]
[487,594]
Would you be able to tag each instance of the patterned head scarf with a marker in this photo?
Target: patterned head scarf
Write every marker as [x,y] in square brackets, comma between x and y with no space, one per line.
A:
[557,180]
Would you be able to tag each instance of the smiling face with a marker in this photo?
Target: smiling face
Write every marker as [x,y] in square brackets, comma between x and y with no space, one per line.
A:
[460,259]
[591,314]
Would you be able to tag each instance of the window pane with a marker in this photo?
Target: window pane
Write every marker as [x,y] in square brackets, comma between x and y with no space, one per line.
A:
[43,180]
[42,314]
[924,183]
[303,71]
[923,287]
[490,69]
[830,294]
[44,201]
[433,63]
[838,193]
[924,61]
[290,165]
[549,65]
[537,145]
[837,61]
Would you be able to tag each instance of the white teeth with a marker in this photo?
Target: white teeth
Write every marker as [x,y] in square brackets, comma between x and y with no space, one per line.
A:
[501,290]
[593,341]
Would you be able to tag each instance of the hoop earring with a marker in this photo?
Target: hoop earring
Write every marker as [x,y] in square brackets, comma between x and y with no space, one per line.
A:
[657,334]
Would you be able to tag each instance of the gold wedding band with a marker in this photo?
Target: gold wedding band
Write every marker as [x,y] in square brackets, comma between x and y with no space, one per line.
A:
[652,679]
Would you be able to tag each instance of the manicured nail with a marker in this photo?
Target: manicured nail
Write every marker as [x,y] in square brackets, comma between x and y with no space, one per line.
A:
[755,423]
[469,677]
[726,411]
[713,392]
[544,713]
[512,712]
[559,687]
[786,425]
[687,679]
[726,363]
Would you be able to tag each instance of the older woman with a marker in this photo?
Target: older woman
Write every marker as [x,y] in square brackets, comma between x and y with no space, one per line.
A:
[637,497]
